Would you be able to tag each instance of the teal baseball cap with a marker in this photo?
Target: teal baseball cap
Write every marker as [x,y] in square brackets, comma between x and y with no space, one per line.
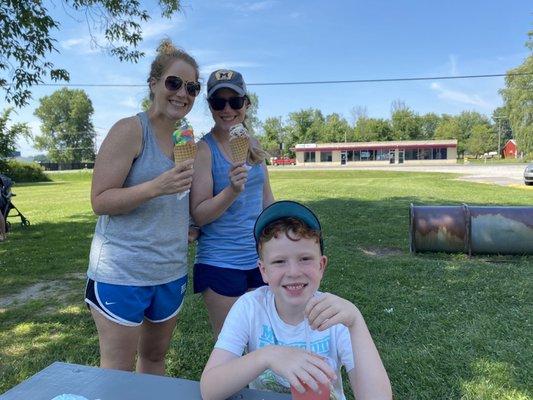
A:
[287,209]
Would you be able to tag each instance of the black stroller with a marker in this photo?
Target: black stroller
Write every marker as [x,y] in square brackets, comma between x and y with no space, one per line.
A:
[6,205]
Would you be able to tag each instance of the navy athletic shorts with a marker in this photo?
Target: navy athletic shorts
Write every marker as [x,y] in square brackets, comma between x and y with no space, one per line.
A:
[225,281]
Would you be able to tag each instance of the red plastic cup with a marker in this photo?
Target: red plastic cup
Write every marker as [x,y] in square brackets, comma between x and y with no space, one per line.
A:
[310,394]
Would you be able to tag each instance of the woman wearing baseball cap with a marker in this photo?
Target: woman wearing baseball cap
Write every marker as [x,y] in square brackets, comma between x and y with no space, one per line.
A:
[226,198]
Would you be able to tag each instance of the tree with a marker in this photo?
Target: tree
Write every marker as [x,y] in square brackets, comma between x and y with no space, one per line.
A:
[272,139]
[336,129]
[449,128]
[428,125]
[67,131]
[10,134]
[251,114]
[518,99]
[405,124]
[27,38]
[371,130]
[357,113]
[482,140]
[304,126]
[500,116]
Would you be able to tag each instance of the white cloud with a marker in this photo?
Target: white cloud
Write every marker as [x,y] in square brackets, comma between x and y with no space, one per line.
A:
[130,102]
[460,97]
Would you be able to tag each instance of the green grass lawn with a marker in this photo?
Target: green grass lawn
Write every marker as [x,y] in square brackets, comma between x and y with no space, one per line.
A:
[447,326]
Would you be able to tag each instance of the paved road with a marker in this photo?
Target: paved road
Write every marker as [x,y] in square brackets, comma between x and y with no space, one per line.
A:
[500,174]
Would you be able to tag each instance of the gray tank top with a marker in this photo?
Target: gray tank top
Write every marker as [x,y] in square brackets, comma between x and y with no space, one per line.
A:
[147,246]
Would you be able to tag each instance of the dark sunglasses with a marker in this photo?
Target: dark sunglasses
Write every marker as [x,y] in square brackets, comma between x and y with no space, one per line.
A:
[218,103]
[174,83]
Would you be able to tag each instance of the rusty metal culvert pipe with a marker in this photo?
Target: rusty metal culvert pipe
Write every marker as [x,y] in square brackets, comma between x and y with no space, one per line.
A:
[471,229]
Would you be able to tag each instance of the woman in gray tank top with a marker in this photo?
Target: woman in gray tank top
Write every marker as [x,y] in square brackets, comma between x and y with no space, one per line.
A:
[138,261]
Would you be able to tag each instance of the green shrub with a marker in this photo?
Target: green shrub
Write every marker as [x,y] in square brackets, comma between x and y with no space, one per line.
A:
[23,172]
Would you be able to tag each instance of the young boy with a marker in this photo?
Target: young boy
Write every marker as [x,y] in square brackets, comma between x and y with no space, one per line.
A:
[292,334]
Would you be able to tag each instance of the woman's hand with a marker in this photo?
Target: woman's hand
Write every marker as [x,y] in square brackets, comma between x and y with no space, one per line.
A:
[238,175]
[175,180]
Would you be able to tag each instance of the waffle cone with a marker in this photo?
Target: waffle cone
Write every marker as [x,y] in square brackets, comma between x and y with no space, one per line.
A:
[185,151]
[239,149]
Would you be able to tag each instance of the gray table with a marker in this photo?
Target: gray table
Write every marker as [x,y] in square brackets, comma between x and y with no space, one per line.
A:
[106,384]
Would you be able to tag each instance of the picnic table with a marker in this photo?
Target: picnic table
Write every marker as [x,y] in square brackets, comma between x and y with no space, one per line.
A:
[107,384]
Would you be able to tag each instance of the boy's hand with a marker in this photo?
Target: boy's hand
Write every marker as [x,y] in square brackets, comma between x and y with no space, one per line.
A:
[299,366]
[327,310]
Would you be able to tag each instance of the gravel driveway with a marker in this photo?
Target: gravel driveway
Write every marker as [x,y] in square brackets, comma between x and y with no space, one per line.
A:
[499,174]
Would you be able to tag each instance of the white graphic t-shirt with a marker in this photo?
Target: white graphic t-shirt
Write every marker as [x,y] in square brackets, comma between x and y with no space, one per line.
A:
[253,322]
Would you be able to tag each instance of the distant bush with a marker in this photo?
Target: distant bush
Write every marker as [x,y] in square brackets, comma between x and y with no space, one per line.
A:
[23,172]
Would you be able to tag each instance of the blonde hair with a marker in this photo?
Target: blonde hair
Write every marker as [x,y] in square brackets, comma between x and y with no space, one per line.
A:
[167,53]
[256,155]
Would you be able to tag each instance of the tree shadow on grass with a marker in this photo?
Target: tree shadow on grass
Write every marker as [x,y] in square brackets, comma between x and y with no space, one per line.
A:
[444,323]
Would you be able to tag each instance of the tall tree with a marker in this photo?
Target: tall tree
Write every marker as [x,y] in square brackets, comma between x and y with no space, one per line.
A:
[28,29]
[336,129]
[304,126]
[482,140]
[10,134]
[428,125]
[251,114]
[449,128]
[357,113]
[405,124]
[502,124]
[518,98]
[273,136]
[67,130]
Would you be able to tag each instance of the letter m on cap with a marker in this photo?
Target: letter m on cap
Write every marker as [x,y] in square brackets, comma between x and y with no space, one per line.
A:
[223,75]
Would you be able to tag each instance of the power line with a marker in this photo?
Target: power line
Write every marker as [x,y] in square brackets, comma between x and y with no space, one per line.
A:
[423,78]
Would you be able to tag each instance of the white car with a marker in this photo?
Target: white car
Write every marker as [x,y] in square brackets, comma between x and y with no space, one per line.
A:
[528,175]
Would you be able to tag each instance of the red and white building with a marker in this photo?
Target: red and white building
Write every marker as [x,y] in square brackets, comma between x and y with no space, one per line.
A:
[510,150]
[410,152]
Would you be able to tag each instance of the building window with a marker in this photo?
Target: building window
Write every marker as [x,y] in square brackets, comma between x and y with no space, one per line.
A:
[309,156]
[440,153]
[325,156]
[411,154]
[425,154]
[382,154]
[368,155]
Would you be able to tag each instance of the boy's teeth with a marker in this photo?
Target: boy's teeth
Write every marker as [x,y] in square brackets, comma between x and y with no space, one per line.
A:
[295,287]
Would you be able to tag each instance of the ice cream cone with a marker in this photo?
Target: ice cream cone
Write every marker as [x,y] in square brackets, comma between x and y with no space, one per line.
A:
[239,143]
[184,145]
[184,151]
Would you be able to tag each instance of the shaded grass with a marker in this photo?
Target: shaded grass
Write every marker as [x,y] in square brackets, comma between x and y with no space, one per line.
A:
[447,326]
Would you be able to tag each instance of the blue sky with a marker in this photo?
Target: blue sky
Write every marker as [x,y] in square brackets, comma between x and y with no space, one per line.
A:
[284,40]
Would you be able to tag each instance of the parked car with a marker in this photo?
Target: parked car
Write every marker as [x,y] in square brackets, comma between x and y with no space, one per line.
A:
[283,161]
[528,175]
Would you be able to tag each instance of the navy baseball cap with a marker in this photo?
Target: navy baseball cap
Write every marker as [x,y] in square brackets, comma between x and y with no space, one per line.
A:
[287,209]
[226,78]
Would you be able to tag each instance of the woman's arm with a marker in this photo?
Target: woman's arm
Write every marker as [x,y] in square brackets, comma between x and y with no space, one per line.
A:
[204,207]
[113,163]
[268,197]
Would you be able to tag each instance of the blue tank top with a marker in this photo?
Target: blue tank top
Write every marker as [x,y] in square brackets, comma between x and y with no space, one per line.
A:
[228,242]
[147,246]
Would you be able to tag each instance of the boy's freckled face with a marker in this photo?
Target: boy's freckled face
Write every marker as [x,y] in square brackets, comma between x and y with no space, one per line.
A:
[292,269]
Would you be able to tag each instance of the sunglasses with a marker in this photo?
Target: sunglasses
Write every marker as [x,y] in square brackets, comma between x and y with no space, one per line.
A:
[218,103]
[174,83]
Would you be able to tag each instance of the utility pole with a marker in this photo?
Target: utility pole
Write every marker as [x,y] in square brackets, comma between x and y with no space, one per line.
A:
[499,135]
